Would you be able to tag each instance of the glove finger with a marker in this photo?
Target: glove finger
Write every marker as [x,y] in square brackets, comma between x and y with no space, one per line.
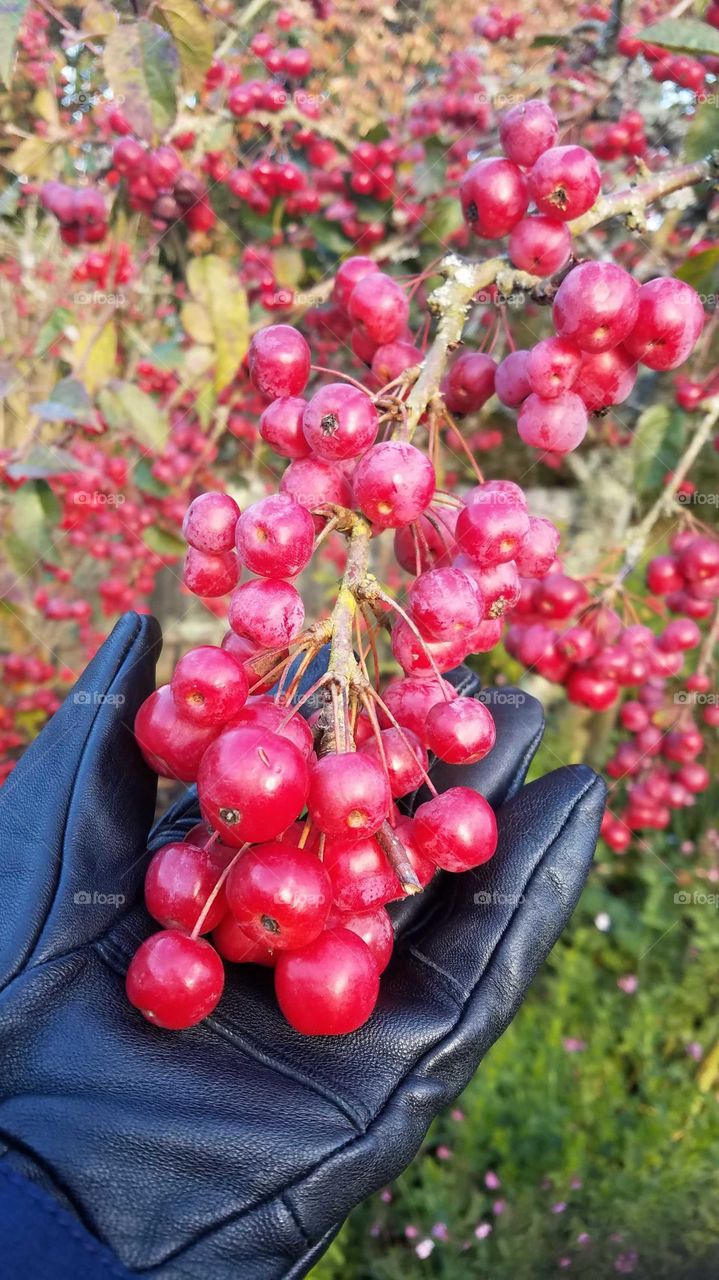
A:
[76,810]
[519,719]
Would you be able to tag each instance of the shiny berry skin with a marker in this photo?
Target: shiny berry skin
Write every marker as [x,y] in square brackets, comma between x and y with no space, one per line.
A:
[339,422]
[179,880]
[235,945]
[681,633]
[268,611]
[393,484]
[457,830]
[172,745]
[209,686]
[491,532]
[444,603]
[392,359]
[540,245]
[700,559]
[279,895]
[174,980]
[329,987]
[511,383]
[405,759]
[552,367]
[538,551]
[349,795]
[590,690]
[361,876]
[596,306]
[557,425]
[669,321]
[527,130]
[373,927]
[664,575]
[275,537]
[469,383]
[262,712]
[411,698]
[564,182]
[163,167]
[379,308]
[494,197]
[210,575]
[251,784]
[279,361]
[209,523]
[460,732]
[500,588]
[413,653]
[349,274]
[281,427]
[605,378]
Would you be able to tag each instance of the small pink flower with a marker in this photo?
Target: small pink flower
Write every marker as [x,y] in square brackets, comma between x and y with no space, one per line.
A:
[439,1231]
[443,1153]
[411,1232]
[457,1115]
[583,1238]
[687,846]
[628,983]
[695,1050]
[483,1230]
[565,1262]
[498,1207]
[424,1248]
[571,1045]
[576,1183]
[626,1262]
[491,1180]
[559,1207]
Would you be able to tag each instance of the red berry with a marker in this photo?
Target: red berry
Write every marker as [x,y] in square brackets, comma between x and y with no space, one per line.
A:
[491,532]
[494,197]
[457,830]
[393,484]
[539,547]
[596,306]
[210,575]
[175,981]
[405,759]
[669,320]
[275,537]
[552,367]
[564,182]
[379,308]
[264,713]
[373,927]
[251,784]
[361,876]
[349,274]
[329,987]
[312,482]
[209,523]
[410,700]
[540,245]
[469,383]
[664,575]
[267,610]
[340,422]
[527,130]
[444,603]
[279,895]
[557,426]
[279,361]
[234,944]
[209,686]
[281,427]
[590,690]
[605,377]
[178,883]
[172,745]
[511,382]
[460,732]
[349,795]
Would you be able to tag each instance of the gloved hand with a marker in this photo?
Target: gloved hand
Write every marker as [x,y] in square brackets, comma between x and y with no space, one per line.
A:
[236,1149]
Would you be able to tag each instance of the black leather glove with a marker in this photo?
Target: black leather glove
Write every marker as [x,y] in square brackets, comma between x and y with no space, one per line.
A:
[236,1149]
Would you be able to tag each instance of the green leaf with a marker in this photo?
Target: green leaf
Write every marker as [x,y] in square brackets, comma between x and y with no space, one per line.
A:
[701,271]
[192,34]
[44,460]
[217,314]
[10,199]
[141,63]
[144,479]
[12,13]
[329,236]
[703,132]
[128,409]
[35,513]
[168,355]
[52,328]
[656,446]
[683,35]
[68,402]
[445,220]
[165,544]
[549,41]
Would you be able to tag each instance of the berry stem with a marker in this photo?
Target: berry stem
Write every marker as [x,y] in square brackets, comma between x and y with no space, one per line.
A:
[397,857]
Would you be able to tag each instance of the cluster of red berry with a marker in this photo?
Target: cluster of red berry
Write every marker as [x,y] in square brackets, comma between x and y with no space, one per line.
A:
[158,185]
[113,267]
[80,211]
[680,69]
[495,25]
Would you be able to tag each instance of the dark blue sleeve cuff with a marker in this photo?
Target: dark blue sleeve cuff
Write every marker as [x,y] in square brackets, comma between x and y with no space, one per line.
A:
[40,1240]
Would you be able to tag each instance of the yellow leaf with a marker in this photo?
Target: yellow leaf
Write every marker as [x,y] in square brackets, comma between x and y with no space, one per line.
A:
[31,158]
[45,105]
[196,322]
[289,266]
[93,355]
[191,32]
[215,288]
[98,19]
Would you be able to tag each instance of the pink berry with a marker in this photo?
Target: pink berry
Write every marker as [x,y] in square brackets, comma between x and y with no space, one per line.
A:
[209,686]
[596,306]
[281,427]
[210,575]
[540,245]
[527,130]
[552,367]
[457,830]
[262,712]
[251,784]
[349,795]
[669,320]
[511,382]
[494,197]
[445,602]
[349,274]
[405,759]
[379,308]
[557,426]
[539,547]
[279,895]
[491,532]
[410,700]
[393,484]
[267,610]
[172,745]
[340,422]
[178,883]
[460,732]
[605,378]
[564,182]
[279,361]
[209,523]
[275,537]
